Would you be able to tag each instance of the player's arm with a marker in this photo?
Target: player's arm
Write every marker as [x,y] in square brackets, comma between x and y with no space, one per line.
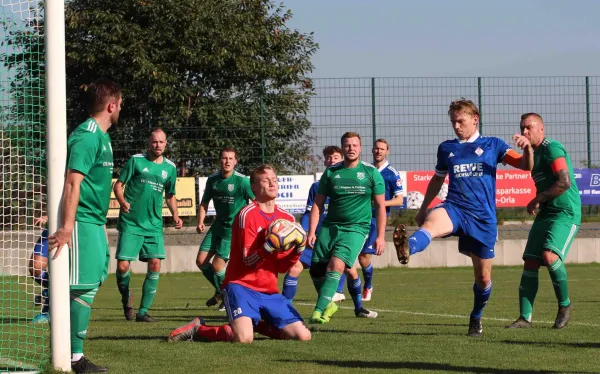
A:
[171,201]
[378,199]
[524,161]
[252,251]
[560,169]
[119,187]
[433,188]
[315,215]
[395,186]
[305,219]
[70,201]
[203,208]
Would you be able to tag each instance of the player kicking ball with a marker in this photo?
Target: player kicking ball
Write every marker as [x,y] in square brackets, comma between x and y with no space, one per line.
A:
[143,182]
[250,291]
[469,211]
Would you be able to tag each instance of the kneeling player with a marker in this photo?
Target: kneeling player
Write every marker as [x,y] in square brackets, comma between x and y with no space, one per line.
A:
[38,269]
[250,290]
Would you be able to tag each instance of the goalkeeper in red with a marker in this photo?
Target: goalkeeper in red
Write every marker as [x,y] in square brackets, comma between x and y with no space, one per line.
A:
[558,218]
[250,292]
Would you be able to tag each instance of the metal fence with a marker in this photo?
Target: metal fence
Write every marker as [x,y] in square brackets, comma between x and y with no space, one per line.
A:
[411,113]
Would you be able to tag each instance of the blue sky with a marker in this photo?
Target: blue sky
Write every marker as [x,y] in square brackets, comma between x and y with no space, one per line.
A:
[411,38]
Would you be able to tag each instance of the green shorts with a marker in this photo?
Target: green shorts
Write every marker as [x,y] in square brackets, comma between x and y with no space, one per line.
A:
[131,246]
[89,256]
[218,244]
[556,236]
[341,242]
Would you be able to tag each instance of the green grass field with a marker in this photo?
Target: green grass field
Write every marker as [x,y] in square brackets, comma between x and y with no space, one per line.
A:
[422,328]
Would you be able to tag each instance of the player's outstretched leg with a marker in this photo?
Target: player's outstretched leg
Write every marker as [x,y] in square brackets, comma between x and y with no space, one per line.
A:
[185,332]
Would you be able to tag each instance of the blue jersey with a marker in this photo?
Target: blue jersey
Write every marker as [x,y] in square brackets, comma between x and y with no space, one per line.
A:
[471,166]
[309,203]
[392,182]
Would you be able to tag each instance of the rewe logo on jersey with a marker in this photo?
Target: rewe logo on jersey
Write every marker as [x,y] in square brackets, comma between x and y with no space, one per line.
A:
[472,169]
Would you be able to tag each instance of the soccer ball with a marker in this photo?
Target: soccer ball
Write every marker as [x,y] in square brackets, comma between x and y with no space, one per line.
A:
[414,200]
[443,192]
[283,235]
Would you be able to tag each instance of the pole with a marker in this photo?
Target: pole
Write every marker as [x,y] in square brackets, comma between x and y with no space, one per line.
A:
[373,121]
[262,124]
[56,122]
[479,95]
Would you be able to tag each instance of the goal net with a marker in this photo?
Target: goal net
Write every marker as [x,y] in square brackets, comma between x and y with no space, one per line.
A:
[24,345]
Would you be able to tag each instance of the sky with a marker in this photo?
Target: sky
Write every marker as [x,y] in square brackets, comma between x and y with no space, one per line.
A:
[422,38]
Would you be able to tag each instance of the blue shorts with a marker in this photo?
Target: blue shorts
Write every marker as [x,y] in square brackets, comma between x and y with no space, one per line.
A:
[305,257]
[41,246]
[368,247]
[274,309]
[474,235]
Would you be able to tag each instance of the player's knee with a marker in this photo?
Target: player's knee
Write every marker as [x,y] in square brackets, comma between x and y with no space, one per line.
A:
[364,260]
[123,266]
[296,269]
[304,334]
[549,257]
[244,337]
[318,270]
[218,264]
[154,264]
[531,264]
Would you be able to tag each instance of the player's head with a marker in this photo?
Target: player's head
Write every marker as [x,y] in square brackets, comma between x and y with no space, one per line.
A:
[104,96]
[228,159]
[351,146]
[381,149]
[532,127]
[464,116]
[263,182]
[157,142]
[332,155]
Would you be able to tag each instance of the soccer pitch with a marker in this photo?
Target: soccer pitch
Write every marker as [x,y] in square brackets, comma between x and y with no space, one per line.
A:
[422,328]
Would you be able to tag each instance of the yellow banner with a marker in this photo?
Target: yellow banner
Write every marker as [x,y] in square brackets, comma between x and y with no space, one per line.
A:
[186,199]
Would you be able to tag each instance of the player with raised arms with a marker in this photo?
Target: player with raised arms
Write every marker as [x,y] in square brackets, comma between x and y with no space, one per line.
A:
[146,179]
[469,211]
[556,223]
[250,289]
[353,187]
[331,155]
[230,192]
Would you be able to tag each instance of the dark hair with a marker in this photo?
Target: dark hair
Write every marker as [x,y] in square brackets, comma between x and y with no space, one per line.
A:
[100,92]
[227,149]
[351,134]
[155,130]
[382,140]
[331,149]
[527,115]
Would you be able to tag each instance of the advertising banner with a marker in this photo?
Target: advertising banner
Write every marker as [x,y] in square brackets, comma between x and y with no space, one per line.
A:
[588,182]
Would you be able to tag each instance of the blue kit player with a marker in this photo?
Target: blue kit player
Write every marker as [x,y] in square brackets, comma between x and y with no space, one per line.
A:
[331,155]
[469,211]
[38,269]
[393,197]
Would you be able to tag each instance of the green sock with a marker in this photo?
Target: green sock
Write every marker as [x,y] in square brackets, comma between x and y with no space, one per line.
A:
[558,274]
[148,291]
[123,285]
[218,279]
[330,285]
[527,291]
[209,274]
[81,308]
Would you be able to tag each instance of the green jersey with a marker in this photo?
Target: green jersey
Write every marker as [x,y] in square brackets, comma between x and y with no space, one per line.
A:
[89,152]
[350,192]
[229,195]
[568,204]
[146,183]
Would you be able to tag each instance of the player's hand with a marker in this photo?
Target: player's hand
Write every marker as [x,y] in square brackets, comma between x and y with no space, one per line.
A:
[521,141]
[420,218]
[58,240]
[532,206]
[40,221]
[125,207]
[200,228]
[178,222]
[310,240]
[379,246]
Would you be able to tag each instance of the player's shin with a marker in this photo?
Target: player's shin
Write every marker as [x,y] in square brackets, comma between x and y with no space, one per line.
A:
[148,291]
[354,288]
[123,285]
[558,274]
[527,291]
[342,283]
[218,278]
[209,274]
[481,297]
[368,276]
[221,333]
[81,308]
[419,240]
[290,286]
[332,279]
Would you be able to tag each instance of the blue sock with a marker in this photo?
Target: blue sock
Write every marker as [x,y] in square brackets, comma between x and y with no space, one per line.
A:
[290,286]
[42,279]
[481,298]
[45,301]
[368,276]
[342,283]
[419,240]
[354,289]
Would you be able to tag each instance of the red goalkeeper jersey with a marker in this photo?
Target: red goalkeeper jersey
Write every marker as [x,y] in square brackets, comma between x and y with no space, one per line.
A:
[249,264]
